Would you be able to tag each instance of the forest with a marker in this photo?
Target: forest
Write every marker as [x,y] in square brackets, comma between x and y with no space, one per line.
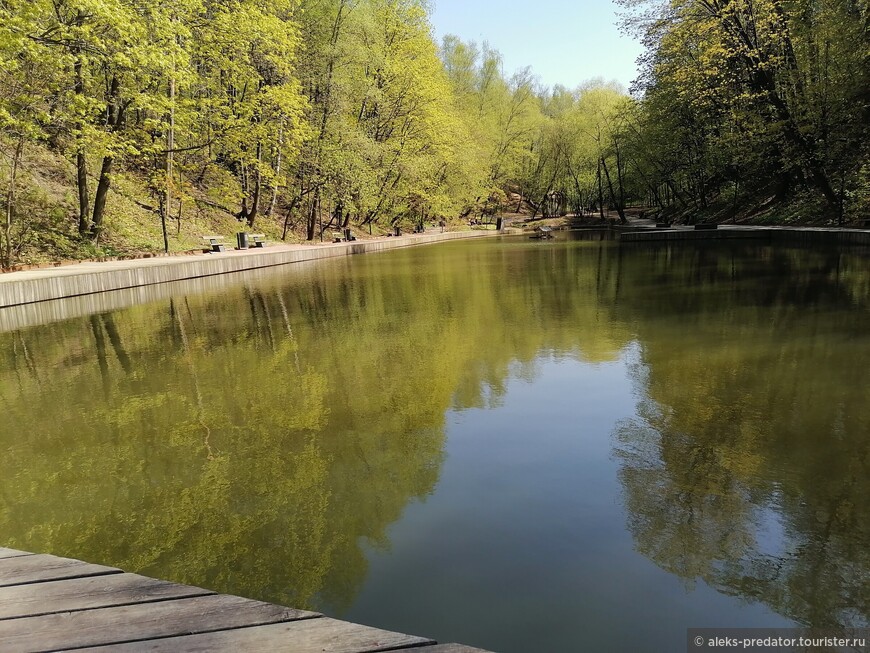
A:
[140,126]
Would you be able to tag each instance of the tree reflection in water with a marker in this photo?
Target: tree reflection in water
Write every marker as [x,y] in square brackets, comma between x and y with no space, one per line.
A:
[747,464]
[254,440]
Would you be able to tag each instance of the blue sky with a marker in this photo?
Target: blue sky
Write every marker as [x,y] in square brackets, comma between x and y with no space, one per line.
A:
[564,42]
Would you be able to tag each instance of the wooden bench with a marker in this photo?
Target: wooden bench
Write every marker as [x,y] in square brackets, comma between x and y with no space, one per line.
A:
[663,225]
[258,240]
[342,237]
[215,243]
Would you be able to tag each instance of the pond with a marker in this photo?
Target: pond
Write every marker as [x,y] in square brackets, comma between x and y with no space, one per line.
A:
[518,445]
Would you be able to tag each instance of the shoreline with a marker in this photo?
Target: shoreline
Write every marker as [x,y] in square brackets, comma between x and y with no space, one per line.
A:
[35,286]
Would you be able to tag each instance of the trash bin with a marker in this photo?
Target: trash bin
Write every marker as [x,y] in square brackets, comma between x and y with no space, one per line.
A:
[397,231]
[499,223]
[242,240]
[348,236]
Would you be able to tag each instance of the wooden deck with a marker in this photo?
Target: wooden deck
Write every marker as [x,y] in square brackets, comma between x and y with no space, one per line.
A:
[56,604]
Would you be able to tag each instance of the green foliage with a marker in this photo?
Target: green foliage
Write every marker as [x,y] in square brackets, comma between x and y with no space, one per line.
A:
[311,115]
[301,114]
[771,96]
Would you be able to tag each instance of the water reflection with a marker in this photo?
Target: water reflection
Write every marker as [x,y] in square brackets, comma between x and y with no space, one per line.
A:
[251,440]
[260,439]
[747,464]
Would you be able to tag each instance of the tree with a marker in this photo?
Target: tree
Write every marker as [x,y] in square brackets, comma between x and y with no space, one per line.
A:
[766,95]
[28,78]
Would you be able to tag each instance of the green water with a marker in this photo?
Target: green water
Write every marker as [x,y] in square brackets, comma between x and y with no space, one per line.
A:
[520,445]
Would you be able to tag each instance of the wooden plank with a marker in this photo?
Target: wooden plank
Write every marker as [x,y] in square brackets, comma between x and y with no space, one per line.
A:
[323,635]
[39,567]
[86,593]
[12,553]
[138,622]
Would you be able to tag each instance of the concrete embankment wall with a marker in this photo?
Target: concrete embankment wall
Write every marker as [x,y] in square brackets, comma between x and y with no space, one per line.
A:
[840,237]
[22,316]
[650,235]
[33,286]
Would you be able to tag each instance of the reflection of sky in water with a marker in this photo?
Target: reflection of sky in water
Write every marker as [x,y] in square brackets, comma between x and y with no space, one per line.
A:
[526,526]
[770,533]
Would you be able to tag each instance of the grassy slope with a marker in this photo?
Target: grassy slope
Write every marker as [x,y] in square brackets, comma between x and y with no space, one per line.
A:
[762,208]
[46,224]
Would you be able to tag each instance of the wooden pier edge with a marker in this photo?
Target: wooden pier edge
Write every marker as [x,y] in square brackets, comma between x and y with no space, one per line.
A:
[48,603]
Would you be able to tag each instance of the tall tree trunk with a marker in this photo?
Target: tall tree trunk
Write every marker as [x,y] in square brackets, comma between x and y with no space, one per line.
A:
[600,191]
[290,208]
[6,251]
[100,196]
[115,121]
[619,209]
[170,146]
[255,200]
[275,188]
[311,225]
[620,180]
[180,207]
[81,158]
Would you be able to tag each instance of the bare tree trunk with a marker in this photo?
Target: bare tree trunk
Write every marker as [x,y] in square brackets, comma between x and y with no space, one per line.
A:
[255,200]
[310,227]
[100,196]
[6,251]
[620,180]
[275,188]
[170,145]
[180,206]
[115,121]
[619,209]
[290,208]
[320,216]
[81,159]
[600,192]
